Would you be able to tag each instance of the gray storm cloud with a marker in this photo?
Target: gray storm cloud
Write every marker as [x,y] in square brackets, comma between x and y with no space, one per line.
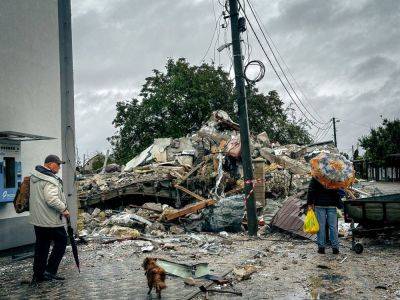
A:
[344,54]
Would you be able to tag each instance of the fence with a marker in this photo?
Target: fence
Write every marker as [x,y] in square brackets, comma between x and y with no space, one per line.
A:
[372,171]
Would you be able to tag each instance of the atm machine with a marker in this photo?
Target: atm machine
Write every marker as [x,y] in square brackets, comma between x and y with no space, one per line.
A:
[14,228]
[10,162]
[10,169]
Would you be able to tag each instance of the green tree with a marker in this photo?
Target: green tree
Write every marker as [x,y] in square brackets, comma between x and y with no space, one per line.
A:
[98,161]
[267,113]
[382,141]
[178,101]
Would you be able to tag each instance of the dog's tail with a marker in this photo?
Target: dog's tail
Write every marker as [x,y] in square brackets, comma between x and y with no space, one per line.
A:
[160,285]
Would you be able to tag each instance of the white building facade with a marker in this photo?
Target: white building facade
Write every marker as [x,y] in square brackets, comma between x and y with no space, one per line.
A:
[36,103]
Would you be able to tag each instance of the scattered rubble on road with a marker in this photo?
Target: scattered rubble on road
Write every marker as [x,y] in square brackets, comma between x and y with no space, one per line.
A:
[166,198]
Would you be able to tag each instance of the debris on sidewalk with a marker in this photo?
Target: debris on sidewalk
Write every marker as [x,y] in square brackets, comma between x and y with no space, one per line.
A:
[244,273]
[124,232]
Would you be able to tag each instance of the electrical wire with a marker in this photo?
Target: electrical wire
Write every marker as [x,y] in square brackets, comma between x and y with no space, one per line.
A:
[261,71]
[320,132]
[284,62]
[324,133]
[217,40]
[212,39]
[248,47]
[276,72]
[279,65]
[216,24]
[277,61]
[226,42]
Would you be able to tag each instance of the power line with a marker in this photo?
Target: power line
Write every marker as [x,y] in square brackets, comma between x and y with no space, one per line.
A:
[217,24]
[320,132]
[287,67]
[279,65]
[276,72]
[323,135]
[225,43]
[212,38]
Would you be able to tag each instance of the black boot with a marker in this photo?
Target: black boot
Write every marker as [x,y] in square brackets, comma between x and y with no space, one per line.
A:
[38,279]
[335,250]
[53,276]
[321,250]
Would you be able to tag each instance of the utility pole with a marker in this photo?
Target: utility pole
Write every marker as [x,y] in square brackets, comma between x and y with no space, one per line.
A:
[334,130]
[243,118]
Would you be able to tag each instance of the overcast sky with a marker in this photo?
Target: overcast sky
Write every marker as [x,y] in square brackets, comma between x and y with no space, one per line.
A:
[344,55]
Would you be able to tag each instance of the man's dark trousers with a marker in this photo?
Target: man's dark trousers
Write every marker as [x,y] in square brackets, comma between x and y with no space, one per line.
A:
[44,237]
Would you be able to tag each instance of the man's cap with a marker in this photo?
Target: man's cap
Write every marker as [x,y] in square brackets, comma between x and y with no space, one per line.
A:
[53,158]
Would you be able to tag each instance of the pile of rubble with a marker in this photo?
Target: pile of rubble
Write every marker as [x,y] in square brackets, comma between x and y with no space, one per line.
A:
[200,177]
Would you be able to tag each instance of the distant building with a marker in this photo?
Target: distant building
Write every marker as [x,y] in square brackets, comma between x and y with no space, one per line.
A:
[389,170]
[88,166]
[36,103]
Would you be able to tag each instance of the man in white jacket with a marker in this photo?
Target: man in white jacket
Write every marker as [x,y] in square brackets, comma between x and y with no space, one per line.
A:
[47,207]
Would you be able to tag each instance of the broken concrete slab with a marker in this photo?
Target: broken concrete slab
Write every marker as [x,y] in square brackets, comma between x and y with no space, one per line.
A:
[138,160]
[225,215]
[294,166]
[263,139]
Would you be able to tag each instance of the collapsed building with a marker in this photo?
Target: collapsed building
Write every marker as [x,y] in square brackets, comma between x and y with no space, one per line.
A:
[197,182]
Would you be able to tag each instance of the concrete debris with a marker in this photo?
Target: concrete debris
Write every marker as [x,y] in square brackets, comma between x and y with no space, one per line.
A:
[124,232]
[138,160]
[111,168]
[176,230]
[196,184]
[263,139]
[147,249]
[244,273]
[190,281]
[140,219]
[225,215]
[96,212]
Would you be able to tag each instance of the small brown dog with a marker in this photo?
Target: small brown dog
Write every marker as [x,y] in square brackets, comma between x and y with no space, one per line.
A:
[155,275]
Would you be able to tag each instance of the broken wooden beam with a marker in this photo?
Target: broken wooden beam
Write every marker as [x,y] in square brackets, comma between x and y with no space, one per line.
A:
[196,168]
[185,190]
[188,209]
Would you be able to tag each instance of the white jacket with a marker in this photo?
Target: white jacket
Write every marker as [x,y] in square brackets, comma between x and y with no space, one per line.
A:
[47,201]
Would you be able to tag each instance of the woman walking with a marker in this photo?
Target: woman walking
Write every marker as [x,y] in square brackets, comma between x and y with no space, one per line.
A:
[324,201]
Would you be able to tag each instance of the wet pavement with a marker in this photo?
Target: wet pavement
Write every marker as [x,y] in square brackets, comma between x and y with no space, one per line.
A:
[287,268]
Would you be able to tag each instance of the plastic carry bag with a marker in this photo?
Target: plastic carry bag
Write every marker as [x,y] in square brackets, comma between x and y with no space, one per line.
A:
[311,223]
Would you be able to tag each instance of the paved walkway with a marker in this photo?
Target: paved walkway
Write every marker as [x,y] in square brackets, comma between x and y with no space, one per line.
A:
[286,269]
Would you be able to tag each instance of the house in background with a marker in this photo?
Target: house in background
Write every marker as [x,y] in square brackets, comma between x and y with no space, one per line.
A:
[92,164]
[36,104]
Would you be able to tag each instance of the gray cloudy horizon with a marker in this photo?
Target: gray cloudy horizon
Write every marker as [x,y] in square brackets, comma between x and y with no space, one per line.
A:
[344,55]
